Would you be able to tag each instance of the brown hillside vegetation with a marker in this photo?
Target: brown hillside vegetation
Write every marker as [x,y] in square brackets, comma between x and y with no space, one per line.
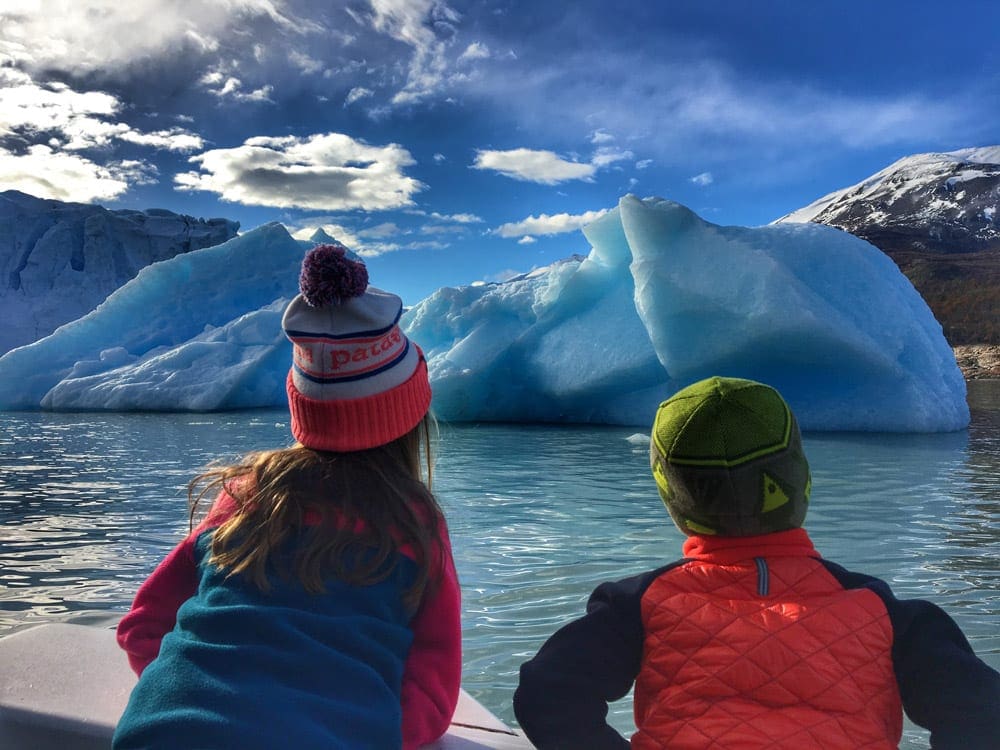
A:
[962,290]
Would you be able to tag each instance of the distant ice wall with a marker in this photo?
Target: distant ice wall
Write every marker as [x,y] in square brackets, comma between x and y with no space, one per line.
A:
[58,261]
[200,331]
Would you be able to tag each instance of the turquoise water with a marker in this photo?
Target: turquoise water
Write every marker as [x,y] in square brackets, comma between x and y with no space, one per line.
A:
[539,515]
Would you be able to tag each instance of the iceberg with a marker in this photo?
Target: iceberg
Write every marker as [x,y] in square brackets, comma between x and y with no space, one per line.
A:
[60,260]
[665,298]
[198,332]
[662,299]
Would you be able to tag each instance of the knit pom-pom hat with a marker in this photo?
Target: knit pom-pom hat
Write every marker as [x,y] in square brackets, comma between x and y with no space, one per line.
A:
[727,458]
[356,381]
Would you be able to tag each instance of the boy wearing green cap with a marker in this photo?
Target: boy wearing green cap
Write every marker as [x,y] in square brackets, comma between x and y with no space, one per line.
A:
[752,640]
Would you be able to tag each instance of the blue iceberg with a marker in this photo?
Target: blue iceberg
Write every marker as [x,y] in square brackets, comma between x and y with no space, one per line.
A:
[664,298]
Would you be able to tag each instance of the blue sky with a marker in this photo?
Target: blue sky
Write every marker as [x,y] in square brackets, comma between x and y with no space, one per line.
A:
[451,142]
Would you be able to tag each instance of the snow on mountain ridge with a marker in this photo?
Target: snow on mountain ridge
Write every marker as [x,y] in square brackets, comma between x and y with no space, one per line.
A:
[938,202]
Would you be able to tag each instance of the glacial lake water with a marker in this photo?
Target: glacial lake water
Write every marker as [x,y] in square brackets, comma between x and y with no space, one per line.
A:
[539,515]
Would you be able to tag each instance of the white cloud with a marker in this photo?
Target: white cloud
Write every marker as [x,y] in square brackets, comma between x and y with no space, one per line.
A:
[607,155]
[304,62]
[601,136]
[25,105]
[527,240]
[381,231]
[414,23]
[223,85]
[703,179]
[91,35]
[548,168]
[644,164]
[358,92]
[77,120]
[532,165]
[457,218]
[174,139]
[475,51]
[328,171]
[443,229]
[46,173]
[53,125]
[546,224]
[684,108]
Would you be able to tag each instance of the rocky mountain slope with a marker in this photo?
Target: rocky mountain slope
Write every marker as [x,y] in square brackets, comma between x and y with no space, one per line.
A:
[936,216]
[58,261]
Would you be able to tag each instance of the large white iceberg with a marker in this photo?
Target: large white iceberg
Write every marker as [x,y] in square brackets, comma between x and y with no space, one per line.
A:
[663,298]
[666,298]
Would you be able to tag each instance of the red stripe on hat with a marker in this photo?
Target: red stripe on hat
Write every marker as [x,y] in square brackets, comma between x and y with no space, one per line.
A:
[355,424]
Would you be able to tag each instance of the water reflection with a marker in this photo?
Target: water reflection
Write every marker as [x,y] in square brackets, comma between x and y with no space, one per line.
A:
[539,516]
[89,501]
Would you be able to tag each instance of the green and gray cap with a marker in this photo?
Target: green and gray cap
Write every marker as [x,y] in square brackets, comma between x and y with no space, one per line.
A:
[727,457]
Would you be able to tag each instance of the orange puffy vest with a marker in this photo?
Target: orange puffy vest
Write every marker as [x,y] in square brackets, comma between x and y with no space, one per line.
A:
[764,653]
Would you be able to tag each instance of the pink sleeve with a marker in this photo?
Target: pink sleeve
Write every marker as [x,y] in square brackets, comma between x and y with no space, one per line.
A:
[433,671]
[174,581]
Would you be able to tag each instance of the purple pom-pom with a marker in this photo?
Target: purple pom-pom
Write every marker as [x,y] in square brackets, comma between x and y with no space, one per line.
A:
[329,277]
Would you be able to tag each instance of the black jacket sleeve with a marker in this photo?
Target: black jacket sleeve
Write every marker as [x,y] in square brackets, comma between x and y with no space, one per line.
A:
[563,695]
[944,686]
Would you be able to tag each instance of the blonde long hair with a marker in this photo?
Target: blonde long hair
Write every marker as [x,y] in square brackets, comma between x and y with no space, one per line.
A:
[363,507]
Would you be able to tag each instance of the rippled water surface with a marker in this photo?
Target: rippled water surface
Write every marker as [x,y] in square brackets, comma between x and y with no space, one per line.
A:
[539,515]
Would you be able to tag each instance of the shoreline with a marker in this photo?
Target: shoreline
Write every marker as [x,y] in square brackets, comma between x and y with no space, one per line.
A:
[978,361]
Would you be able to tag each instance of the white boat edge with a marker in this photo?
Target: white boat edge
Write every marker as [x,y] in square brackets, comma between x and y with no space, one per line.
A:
[63,686]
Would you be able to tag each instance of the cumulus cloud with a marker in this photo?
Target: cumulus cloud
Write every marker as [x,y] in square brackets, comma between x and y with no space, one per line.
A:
[93,35]
[330,171]
[545,224]
[47,129]
[27,106]
[78,120]
[703,179]
[531,165]
[46,173]
[548,168]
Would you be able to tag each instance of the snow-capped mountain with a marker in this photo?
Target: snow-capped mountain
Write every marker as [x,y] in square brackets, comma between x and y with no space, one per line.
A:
[941,203]
[936,216]
[60,260]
